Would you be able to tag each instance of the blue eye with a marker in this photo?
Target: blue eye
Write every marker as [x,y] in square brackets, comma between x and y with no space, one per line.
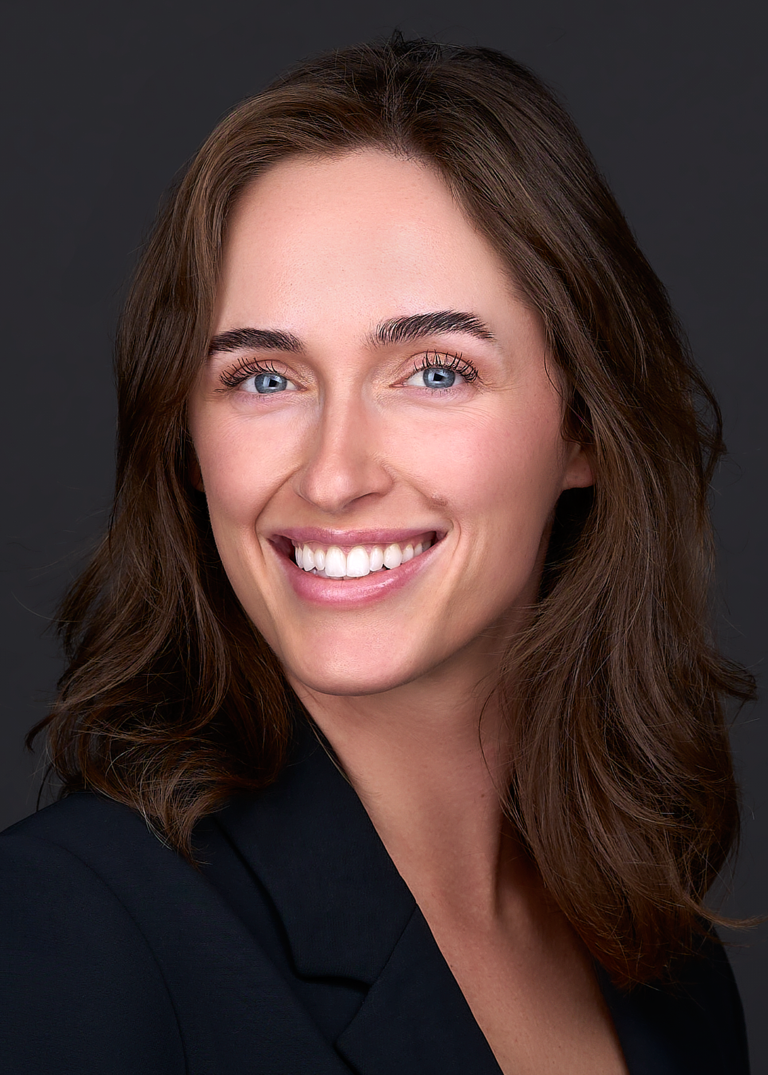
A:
[265,383]
[440,371]
[437,377]
[256,379]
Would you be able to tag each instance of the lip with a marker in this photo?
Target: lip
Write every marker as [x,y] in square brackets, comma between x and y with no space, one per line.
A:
[347,539]
[350,593]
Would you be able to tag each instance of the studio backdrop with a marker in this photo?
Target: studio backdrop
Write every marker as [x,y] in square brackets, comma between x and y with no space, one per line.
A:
[104,103]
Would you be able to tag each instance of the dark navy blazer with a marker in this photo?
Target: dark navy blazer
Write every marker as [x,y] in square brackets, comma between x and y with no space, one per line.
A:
[297,950]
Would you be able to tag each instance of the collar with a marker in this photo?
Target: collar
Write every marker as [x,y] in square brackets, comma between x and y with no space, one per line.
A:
[347,913]
[313,846]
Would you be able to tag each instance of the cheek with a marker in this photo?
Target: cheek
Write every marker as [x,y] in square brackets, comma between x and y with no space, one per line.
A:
[240,476]
[497,473]
[240,468]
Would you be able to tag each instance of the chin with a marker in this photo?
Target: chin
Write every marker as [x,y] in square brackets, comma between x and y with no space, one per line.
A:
[349,682]
[350,676]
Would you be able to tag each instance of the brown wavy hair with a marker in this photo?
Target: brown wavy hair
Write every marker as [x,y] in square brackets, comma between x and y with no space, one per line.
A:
[622,785]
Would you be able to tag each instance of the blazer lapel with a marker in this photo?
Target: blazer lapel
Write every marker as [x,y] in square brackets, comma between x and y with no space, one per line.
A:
[415,1020]
[348,914]
[311,844]
[236,1011]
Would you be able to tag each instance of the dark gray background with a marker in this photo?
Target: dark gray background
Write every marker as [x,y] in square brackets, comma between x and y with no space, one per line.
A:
[103,102]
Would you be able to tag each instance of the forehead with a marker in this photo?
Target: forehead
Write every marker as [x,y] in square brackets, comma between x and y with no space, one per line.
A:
[366,229]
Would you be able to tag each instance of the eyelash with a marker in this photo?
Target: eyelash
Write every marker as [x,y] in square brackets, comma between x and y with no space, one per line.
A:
[234,377]
[457,363]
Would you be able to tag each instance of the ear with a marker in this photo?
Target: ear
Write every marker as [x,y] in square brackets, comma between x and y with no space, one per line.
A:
[579,471]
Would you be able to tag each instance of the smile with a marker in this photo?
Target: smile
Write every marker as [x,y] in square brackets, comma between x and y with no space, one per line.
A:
[331,562]
[351,569]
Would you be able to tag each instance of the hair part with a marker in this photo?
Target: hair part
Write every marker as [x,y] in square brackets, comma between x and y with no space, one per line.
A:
[621,782]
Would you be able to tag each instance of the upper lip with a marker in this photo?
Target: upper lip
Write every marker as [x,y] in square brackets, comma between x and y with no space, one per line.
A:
[349,538]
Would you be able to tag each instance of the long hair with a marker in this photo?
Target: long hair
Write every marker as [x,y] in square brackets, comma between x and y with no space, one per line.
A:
[621,784]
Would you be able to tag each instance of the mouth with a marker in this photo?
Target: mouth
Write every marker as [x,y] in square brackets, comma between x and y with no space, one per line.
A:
[346,562]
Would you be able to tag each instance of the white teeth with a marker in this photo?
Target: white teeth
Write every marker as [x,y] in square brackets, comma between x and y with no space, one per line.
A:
[335,563]
[393,557]
[332,563]
[358,563]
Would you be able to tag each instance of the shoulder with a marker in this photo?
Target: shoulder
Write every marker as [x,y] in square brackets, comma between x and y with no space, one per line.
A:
[83,850]
[63,930]
[93,843]
[75,821]
[65,849]
[118,956]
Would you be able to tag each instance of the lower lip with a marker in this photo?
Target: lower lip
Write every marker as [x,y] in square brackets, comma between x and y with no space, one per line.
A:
[353,593]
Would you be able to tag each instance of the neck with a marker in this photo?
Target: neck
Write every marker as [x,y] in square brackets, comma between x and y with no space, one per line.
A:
[430,767]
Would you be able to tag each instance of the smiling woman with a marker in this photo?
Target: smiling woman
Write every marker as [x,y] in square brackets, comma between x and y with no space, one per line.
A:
[399,638]
[371,436]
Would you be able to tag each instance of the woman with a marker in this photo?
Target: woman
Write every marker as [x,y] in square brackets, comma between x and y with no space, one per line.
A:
[392,737]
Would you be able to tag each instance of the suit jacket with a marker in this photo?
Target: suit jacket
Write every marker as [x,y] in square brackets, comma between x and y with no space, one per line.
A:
[296,950]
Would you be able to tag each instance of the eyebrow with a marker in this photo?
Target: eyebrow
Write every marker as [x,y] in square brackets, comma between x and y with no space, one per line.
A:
[395,330]
[262,339]
[417,326]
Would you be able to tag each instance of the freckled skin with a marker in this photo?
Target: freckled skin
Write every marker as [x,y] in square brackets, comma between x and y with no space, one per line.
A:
[326,250]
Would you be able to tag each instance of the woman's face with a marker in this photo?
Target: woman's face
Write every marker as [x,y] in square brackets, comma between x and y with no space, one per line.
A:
[375,388]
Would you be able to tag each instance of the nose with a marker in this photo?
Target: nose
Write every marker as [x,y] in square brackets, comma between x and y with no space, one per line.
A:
[345,460]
